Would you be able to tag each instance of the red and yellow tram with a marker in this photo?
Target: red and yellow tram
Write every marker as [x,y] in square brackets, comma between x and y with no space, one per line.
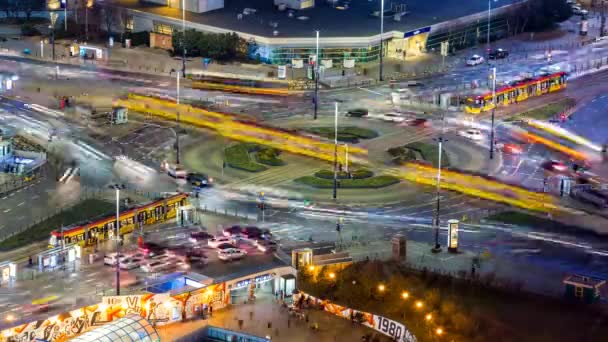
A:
[103,229]
[517,92]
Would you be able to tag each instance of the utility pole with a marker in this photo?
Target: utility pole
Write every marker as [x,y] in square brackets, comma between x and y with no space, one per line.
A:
[86,20]
[440,140]
[381,36]
[65,15]
[493,112]
[183,39]
[335,195]
[489,20]
[178,124]
[317,78]
[117,237]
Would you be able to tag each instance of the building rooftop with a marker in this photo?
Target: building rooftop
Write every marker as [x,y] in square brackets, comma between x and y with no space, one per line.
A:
[585,281]
[356,20]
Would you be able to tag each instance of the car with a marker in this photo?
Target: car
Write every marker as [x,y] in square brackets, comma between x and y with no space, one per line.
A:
[232,231]
[392,117]
[357,113]
[111,259]
[231,254]
[226,246]
[176,172]
[475,60]
[419,122]
[251,232]
[473,134]
[509,148]
[150,249]
[555,166]
[219,240]
[266,246]
[196,237]
[130,263]
[155,266]
[199,180]
[498,54]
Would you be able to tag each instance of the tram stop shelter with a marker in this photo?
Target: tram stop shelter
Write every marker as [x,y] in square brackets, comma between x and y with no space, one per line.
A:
[129,328]
[58,256]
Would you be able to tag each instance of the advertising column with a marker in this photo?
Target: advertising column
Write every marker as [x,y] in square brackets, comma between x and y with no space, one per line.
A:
[453,236]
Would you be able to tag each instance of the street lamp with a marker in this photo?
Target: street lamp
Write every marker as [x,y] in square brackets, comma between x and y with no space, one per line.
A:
[381,288]
[440,140]
[177,117]
[332,275]
[405,295]
[489,20]
[183,39]
[54,17]
[419,305]
[493,112]
[381,36]
[117,187]
[311,268]
[439,331]
[316,78]
[335,194]
[428,317]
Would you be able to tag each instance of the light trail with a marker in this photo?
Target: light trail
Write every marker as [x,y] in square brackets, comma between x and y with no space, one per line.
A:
[553,145]
[563,133]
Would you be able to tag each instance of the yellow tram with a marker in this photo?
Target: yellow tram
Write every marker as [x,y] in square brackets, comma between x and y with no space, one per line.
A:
[103,229]
[516,92]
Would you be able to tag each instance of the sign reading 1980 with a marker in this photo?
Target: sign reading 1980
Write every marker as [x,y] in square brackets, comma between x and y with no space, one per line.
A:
[393,329]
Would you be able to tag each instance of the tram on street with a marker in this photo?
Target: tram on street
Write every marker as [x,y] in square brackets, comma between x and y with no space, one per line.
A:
[516,92]
[103,229]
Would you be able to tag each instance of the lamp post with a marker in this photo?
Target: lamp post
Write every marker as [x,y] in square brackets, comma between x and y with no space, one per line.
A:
[335,195]
[489,25]
[54,17]
[65,15]
[183,39]
[117,187]
[381,36]
[493,112]
[317,78]
[177,116]
[87,5]
[346,157]
[440,140]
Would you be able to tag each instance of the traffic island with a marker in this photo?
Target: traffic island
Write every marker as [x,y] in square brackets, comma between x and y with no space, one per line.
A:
[252,157]
[358,179]
[348,134]
[548,111]
[418,151]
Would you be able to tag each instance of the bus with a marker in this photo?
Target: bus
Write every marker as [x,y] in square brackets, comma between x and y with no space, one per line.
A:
[516,92]
[90,233]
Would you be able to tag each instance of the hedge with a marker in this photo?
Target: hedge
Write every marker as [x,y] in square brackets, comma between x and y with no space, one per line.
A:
[268,156]
[428,152]
[237,157]
[357,174]
[366,183]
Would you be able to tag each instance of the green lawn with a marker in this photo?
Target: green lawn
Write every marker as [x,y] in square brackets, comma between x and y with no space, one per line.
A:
[366,183]
[83,211]
[428,153]
[351,134]
[547,111]
[249,157]
[356,174]
[524,219]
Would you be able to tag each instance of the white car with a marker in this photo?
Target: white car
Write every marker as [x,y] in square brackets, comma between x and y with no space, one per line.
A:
[130,263]
[473,134]
[155,266]
[219,240]
[111,259]
[231,254]
[475,60]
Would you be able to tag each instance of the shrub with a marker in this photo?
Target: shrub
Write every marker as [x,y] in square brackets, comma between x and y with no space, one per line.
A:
[237,156]
[366,183]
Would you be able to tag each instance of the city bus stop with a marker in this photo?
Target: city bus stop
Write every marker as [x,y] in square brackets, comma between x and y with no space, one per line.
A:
[58,256]
[8,272]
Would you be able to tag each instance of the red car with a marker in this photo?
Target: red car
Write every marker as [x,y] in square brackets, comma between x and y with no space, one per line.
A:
[510,148]
[555,166]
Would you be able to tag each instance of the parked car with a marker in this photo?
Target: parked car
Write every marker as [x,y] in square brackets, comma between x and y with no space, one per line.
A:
[235,230]
[155,266]
[130,263]
[231,254]
[199,180]
[266,246]
[219,240]
[475,60]
[473,134]
[150,249]
[112,258]
[498,54]
[418,122]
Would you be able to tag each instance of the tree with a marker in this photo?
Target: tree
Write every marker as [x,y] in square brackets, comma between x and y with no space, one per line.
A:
[123,17]
[540,15]
[109,18]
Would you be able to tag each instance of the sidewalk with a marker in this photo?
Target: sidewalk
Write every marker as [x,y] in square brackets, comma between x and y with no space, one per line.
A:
[267,318]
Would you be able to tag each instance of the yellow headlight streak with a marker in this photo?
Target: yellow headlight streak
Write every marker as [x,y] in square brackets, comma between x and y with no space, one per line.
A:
[227,126]
[563,133]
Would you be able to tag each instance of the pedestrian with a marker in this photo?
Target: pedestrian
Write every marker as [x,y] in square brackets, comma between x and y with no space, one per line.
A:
[210,310]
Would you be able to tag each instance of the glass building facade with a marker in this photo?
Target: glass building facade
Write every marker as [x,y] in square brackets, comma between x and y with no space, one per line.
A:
[127,329]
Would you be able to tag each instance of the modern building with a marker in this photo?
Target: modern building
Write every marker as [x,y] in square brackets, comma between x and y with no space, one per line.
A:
[283,30]
[583,288]
[16,161]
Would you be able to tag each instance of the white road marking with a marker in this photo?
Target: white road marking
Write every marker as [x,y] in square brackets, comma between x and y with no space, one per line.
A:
[20,204]
[371,91]
[7,210]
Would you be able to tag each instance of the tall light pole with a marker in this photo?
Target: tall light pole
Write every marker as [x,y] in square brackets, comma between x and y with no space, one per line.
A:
[316,78]
[178,124]
[183,39]
[87,4]
[381,36]
[54,17]
[493,112]
[117,237]
[440,140]
[335,195]
[65,15]
[489,26]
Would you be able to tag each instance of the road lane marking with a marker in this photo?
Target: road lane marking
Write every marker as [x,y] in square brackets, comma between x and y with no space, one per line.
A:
[20,204]
[5,197]
[371,91]
[35,196]
[7,210]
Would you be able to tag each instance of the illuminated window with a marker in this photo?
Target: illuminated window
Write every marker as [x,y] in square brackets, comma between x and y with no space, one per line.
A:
[578,291]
